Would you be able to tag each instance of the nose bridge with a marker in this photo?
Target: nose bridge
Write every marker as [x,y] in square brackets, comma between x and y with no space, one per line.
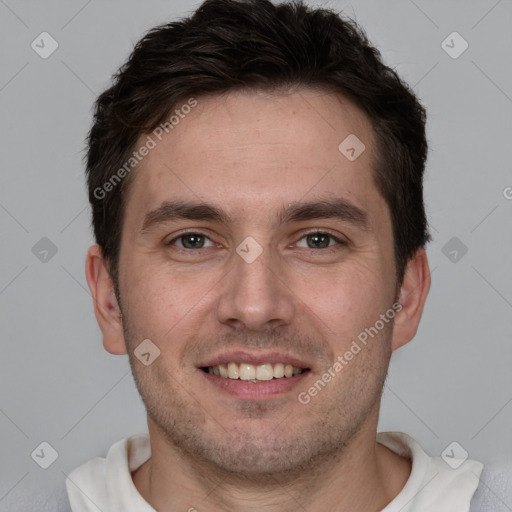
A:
[254,295]
[257,275]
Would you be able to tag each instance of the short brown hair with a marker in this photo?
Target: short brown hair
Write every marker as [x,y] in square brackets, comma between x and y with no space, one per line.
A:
[253,44]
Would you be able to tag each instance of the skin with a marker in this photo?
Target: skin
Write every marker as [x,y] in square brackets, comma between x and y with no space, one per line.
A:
[251,154]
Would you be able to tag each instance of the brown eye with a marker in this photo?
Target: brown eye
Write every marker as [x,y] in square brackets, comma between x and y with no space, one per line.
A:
[319,241]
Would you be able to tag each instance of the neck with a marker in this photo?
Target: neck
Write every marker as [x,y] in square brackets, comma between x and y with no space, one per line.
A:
[362,476]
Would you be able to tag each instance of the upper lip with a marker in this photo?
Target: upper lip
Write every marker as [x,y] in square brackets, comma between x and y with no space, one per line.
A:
[254,358]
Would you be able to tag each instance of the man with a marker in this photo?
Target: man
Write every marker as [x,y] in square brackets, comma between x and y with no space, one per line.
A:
[255,175]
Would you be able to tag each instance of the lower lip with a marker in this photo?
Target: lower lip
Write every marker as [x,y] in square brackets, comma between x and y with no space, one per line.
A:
[255,390]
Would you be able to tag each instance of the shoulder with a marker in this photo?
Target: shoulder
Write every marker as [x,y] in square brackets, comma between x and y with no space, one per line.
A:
[101,481]
[494,492]
[445,483]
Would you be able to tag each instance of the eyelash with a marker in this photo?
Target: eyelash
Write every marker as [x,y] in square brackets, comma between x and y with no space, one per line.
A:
[329,248]
[184,234]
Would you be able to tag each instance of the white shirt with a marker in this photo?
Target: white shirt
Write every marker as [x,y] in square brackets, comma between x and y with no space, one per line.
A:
[433,486]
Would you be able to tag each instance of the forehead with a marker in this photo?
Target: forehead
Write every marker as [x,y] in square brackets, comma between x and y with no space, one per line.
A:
[251,150]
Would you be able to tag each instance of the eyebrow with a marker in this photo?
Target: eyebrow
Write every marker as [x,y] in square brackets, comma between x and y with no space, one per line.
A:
[176,210]
[339,209]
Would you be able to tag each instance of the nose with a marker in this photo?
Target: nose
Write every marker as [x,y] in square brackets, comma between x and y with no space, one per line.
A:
[255,295]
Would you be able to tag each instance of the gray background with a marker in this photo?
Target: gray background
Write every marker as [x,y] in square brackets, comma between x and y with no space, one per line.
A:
[58,384]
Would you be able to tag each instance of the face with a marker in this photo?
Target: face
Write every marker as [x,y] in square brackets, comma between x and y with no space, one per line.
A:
[250,244]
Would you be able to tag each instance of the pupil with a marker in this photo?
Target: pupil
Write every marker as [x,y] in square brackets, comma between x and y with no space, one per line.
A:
[319,241]
[193,241]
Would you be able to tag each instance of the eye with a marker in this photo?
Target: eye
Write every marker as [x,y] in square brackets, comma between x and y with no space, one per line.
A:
[191,241]
[319,240]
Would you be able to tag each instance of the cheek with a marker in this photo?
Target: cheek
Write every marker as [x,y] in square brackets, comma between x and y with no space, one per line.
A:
[346,299]
[164,305]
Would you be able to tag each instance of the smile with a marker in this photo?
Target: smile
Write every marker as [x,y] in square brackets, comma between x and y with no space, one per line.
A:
[254,373]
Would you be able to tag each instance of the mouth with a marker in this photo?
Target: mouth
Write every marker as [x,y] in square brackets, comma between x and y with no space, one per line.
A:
[254,373]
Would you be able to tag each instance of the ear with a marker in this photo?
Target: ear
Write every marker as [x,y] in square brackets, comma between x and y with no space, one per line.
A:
[106,308]
[412,297]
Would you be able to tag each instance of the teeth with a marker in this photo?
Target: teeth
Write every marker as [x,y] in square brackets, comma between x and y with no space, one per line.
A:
[233,372]
[278,370]
[262,372]
[247,372]
[223,369]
